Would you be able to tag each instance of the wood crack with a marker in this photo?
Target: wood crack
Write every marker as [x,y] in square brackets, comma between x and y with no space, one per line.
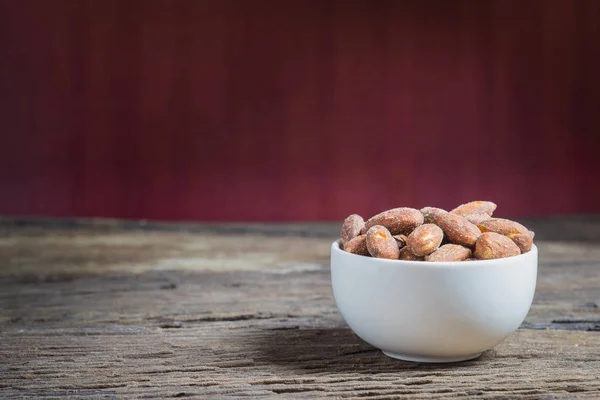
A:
[374,350]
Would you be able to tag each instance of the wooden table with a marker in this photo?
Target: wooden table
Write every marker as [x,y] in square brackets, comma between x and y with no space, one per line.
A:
[122,309]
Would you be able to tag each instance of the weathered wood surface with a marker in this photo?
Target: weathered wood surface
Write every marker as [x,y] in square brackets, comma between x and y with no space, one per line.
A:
[110,309]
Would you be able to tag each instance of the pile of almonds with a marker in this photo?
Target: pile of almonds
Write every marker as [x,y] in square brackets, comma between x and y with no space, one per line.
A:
[431,234]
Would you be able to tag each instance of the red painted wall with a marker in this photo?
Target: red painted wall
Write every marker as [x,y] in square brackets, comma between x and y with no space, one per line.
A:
[297,110]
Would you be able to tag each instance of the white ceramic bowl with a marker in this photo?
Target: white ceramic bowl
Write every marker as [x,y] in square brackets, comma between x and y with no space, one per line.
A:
[433,311]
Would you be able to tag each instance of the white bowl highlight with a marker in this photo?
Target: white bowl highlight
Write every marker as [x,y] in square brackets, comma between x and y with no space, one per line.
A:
[433,311]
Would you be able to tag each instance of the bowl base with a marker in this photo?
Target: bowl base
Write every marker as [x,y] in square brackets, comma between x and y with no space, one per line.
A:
[426,359]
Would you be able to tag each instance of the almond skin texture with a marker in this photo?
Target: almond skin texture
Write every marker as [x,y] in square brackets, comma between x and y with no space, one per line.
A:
[450,252]
[524,241]
[425,239]
[351,227]
[407,255]
[476,219]
[357,245]
[503,226]
[381,244]
[397,220]
[429,214]
[494,245]
[401,240]
[475,207]
[458,229]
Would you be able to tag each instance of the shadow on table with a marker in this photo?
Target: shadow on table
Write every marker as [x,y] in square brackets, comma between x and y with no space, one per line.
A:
[334,350]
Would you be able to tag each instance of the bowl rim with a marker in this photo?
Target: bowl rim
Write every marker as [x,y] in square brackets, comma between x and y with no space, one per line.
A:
[335,247]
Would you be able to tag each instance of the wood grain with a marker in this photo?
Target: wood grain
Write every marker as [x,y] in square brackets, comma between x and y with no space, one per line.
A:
[319,109]
[114,309]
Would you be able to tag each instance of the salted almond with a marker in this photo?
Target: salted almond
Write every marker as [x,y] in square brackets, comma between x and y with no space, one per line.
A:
[449,252]
[407,255]
[524,241]
[494,245]
[351,227]
[476,219]
[381,243]
[425,239]
[475,207]
[397,220]
[429,214]
[357,245]
[503,226]
[401,240]
[458,229]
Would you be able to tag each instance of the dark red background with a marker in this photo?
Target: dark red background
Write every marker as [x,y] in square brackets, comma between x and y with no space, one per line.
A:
[297,110]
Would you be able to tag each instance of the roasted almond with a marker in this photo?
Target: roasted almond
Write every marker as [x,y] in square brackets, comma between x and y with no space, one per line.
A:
[398,220]
[407,255]
[468,232]
[502,226]
[475,219]
[458,229]
[351,227]
[494,245]
[425,239]
[381,243]
[524,241]
[429,214]
[449,252]
[357,245]
[401,240]
[475,207]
